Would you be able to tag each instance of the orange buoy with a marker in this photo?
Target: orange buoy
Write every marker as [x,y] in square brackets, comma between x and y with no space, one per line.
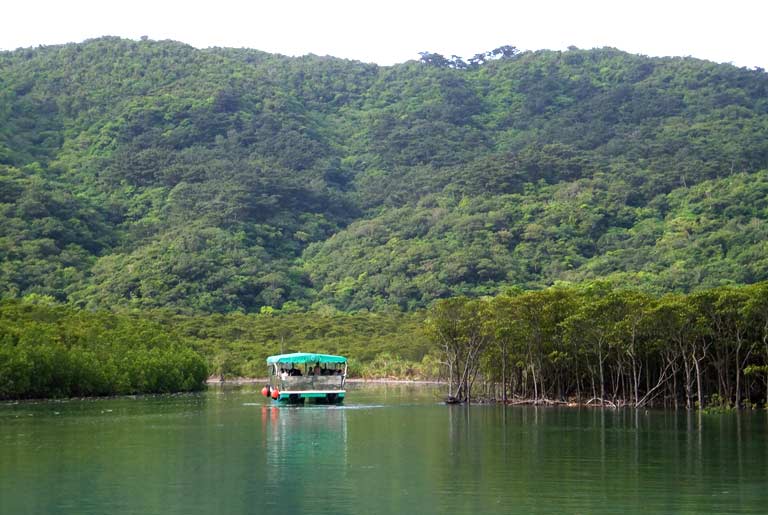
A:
[265,391]
[275,394]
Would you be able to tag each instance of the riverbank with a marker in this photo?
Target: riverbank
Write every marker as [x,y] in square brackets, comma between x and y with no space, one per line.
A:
[256,380]
[215,380]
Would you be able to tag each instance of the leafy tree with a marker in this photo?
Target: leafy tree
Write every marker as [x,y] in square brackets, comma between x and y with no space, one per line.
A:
[459,326]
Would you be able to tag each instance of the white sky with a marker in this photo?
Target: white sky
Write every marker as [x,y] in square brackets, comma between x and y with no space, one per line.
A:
[390,31]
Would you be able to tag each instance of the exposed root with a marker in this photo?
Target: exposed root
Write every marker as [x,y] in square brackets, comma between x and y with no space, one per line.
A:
[603,402]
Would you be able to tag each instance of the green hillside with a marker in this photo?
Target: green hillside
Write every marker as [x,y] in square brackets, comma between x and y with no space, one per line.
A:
[152,174]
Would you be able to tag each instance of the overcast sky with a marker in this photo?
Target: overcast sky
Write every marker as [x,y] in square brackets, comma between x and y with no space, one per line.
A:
[392,31]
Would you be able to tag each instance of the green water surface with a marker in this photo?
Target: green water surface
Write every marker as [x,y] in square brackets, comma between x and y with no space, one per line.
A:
[388,449]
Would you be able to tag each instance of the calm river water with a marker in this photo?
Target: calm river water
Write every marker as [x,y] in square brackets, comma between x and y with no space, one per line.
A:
[388,449]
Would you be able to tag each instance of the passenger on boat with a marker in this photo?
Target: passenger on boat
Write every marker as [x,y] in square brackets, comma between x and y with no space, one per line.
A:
[317,371]
[294,372]
[283,374]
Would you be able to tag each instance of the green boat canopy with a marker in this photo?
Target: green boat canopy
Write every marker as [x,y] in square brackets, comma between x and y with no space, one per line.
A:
[306,357]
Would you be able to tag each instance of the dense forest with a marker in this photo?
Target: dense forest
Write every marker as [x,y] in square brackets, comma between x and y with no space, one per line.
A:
[593,343]
[52,350]
[235,203]
[149,174]
[609,346]
[58,351]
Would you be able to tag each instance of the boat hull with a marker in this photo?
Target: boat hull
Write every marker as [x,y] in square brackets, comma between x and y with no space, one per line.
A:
[319,397]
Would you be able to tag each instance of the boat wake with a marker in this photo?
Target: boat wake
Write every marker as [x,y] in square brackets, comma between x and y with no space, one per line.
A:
[316,407]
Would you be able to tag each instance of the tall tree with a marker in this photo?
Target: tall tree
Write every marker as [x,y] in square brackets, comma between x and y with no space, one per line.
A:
[460,327]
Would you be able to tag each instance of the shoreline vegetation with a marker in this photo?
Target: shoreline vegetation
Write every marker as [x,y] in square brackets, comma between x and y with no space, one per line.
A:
[214,380]
[169,213]
[55,351]
[596,343]
[589,344]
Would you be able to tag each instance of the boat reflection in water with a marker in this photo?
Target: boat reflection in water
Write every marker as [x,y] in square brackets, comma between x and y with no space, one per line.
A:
[305,452]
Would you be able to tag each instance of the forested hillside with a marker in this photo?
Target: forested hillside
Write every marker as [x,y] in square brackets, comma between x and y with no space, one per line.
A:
[152,174]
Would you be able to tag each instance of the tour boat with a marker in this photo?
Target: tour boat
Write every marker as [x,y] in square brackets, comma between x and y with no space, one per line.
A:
[304,375]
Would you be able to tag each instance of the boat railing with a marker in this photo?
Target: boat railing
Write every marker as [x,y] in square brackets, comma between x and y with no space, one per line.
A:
[300,383]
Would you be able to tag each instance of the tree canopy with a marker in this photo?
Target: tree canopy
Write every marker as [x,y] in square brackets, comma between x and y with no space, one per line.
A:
[148,174]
